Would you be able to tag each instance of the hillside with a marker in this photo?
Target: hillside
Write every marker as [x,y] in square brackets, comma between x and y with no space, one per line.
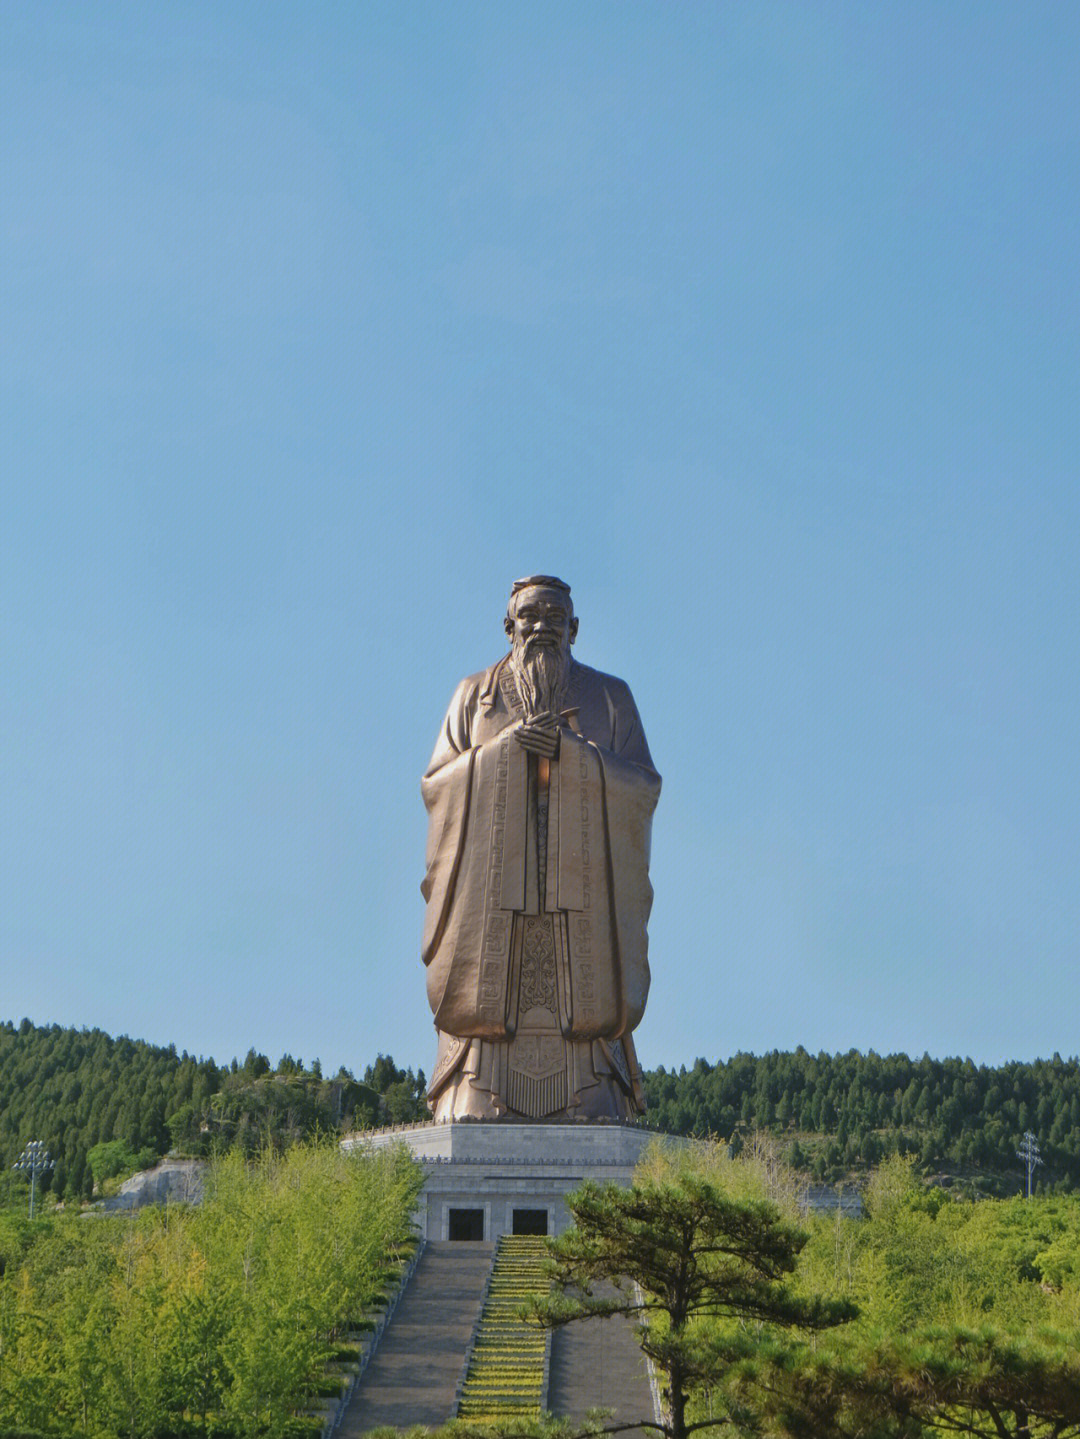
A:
[105,1106]
[842,1113]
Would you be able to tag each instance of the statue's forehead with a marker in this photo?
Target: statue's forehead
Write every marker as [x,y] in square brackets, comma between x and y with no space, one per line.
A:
[542,594]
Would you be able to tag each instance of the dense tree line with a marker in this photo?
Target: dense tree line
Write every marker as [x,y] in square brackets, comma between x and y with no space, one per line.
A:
[844,1112]
[289,1103]
[218,1319]
[105,1106]
[78,1088]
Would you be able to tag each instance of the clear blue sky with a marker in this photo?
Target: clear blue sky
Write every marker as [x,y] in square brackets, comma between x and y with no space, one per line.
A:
[757,322]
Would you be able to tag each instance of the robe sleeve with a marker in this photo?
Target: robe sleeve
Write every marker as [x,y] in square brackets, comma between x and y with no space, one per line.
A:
[632,788]
[628,740]
[608,790]
[446,788]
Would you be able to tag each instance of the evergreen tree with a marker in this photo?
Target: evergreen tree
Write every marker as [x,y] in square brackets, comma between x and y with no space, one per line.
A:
[703,1271]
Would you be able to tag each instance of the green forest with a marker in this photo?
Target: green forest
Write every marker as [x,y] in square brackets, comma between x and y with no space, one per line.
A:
[842,1113]
[238,1318]
[106,1106]
[224,1318]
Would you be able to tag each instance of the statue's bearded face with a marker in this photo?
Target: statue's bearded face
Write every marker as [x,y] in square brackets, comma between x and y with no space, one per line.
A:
[542,628]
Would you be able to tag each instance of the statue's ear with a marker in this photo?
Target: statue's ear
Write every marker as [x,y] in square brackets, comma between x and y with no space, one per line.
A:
[573,629]
[508,626]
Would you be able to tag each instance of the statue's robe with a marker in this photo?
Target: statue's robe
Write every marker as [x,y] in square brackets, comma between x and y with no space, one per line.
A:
[538,897]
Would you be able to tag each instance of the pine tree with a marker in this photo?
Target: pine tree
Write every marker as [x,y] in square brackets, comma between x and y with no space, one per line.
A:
[711,1268]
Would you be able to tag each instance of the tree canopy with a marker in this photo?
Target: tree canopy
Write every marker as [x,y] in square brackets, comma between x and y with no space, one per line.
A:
[705,1272]
[843,1113]
[106,1106]
[838,1114]
[198,1321]
[931,1315]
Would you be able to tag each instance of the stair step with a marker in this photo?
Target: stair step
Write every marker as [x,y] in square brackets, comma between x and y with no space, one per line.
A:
[412,1378]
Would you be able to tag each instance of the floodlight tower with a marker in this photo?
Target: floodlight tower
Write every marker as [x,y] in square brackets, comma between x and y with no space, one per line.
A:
[34,1160]
[1029,1153]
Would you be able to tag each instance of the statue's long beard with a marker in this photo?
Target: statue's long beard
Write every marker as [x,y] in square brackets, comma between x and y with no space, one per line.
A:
[540,671]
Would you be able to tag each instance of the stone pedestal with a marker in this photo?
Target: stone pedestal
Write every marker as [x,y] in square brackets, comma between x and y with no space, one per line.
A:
[488,1179]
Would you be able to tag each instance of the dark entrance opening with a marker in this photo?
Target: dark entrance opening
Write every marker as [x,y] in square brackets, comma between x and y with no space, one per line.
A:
[530,1221]
[467,1224]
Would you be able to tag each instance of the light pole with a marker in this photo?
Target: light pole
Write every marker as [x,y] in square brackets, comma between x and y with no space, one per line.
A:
[1029,1153]
[34,1160]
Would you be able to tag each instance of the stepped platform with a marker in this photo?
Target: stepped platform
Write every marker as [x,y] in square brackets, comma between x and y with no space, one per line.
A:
[485,1180]
[413,1375]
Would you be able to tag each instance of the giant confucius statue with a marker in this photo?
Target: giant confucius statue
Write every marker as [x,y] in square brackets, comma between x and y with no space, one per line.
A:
[540,797]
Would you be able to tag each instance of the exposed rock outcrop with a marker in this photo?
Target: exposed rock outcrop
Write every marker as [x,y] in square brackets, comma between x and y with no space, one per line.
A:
[170,1182]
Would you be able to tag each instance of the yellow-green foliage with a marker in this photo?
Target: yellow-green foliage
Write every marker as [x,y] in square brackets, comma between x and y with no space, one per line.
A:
[930,1314]
[506,1368]
[758,1172]
[924,1268]
[921,1257]
[210,1320]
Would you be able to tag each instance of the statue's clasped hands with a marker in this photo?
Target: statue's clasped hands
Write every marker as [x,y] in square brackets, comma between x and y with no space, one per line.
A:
[539,735]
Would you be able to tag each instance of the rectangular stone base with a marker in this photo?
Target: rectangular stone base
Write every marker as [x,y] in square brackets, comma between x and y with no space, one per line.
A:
[488,1179]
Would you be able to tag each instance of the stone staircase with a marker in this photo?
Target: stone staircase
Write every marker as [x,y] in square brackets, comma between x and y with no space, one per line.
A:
[413,1375]
[596,1363]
